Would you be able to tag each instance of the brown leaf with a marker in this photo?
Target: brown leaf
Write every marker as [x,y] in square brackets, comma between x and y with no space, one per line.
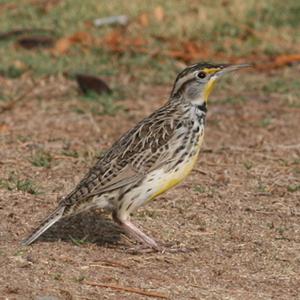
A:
[287,59]
[64,44]
[8,6]
[144,20]
[159,13]
[137,42]
[46,5]
[3,128]
[187,52]
[277,62]
[81,37]
[117,41]
[18,64]
[190,51]
[92,83]
[192,48]
[35,41]
[114,40]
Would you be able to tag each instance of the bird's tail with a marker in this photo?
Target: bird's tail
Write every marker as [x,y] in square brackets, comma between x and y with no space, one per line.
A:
[48,222]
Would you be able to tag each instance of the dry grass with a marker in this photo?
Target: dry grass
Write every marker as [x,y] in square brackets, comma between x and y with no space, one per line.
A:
[222,30]
[238,211]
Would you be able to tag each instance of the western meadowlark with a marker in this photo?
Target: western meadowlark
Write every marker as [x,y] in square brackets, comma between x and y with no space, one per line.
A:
[157,154]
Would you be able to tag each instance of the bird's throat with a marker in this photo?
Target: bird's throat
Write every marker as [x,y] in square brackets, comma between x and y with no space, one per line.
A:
[208,89]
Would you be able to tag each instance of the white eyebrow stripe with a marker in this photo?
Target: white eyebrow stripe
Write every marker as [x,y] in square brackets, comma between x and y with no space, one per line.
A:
[180,82]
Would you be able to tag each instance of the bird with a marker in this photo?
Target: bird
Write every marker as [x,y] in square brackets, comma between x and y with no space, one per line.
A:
[149,159]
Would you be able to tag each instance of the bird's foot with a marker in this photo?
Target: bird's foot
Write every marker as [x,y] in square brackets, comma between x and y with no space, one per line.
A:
[148,245]
[131,230]
[175,248]
[143,249]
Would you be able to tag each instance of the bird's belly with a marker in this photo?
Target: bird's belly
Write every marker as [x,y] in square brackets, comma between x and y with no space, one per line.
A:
[158,181]
[167,180]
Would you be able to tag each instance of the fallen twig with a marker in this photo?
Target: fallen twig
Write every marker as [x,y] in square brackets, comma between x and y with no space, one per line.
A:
[128,289]
[120,20]
[201,172]
[111,263]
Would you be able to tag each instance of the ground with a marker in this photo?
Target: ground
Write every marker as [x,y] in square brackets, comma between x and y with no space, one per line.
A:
[236,215]
[238,212]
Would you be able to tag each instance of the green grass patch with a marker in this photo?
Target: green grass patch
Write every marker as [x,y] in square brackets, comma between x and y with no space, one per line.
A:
[70,153]
[27,186]
[262,188]
[11,72]
[281,86]
[214,25]
[293,188]
[199,189]
[208,191]
[80,278]
[79,242]
[23,185]
[41,159]
[103,104]
[57,276]
[265,122]
[248,165]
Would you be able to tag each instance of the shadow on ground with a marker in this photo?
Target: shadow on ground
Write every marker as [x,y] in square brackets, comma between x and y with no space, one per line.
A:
[89,227]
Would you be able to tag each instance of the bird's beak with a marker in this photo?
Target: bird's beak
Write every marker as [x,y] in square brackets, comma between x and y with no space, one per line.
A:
[230,68]
[224,69]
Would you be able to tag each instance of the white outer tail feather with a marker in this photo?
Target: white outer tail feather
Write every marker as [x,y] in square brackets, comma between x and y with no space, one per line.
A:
[47,223]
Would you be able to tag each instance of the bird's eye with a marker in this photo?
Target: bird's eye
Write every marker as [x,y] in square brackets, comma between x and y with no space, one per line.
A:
[201,75]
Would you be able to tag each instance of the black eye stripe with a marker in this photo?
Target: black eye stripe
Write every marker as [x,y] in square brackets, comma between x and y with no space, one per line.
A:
[201,75]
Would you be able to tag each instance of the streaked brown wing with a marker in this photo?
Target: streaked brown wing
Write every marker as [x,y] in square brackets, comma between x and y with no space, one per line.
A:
[129,158]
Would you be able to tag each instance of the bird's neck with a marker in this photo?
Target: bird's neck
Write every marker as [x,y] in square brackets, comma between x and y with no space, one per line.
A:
[201,106]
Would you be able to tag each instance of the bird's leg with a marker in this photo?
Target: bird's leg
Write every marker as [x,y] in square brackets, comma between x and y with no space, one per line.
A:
[135,232]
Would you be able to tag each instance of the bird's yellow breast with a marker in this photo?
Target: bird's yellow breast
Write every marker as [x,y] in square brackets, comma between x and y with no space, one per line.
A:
[173,178]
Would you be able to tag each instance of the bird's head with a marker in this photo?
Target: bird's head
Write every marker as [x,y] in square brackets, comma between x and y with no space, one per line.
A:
[195,83]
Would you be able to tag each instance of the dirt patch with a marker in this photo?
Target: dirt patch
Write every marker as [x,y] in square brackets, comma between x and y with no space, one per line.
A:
[238,212]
